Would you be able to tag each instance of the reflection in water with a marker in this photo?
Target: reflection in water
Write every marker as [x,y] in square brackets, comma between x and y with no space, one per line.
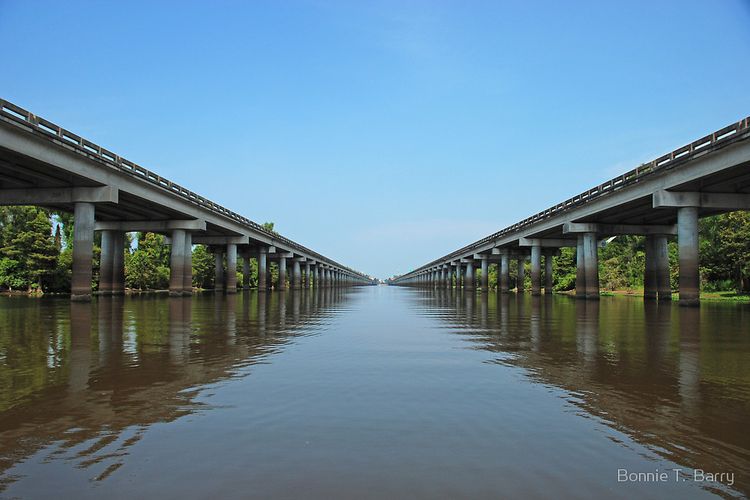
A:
[369,392]
[676,380]
[85,381]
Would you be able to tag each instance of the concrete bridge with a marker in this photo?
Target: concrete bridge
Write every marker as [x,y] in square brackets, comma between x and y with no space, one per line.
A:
[43,164]
[660,199]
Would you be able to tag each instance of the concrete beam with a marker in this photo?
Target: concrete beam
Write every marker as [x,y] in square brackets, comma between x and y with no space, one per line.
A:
[220,240]
[546,242]
[152,226]
[679,199]
[618,229]
[58,196]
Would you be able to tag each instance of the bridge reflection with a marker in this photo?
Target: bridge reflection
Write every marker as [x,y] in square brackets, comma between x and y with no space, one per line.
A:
[82,383]
[669,378]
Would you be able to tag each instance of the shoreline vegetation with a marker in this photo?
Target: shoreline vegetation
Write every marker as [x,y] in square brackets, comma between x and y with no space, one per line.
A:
[36,259]
[726,296]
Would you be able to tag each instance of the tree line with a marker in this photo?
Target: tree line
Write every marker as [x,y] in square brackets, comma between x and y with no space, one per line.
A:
[36,257]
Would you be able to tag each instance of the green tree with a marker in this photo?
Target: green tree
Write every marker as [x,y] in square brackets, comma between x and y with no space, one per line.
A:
[203,267]
[28,251]
[147,267]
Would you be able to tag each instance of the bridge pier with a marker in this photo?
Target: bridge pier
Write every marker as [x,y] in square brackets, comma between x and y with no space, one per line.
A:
[591,265]
[118,264]
[536,269]
[307,275]
[187,274]
[231,279]
[83,251]
[469,278]
[282,273]
[111,263]
[649,272]
[177,263]
[459,271]
[107,263]
[263,269]
[580,269]
[503,277]
[296,275]
[687,242]
[656,278]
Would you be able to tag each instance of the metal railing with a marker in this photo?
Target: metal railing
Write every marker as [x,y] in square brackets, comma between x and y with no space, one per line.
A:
[46,128]
[711,142]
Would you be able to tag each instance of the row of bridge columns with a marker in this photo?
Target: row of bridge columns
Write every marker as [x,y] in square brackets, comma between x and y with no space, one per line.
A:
[304,273]
[463,273]
[587,237]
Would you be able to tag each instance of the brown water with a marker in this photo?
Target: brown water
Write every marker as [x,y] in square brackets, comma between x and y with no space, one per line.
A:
[376,392]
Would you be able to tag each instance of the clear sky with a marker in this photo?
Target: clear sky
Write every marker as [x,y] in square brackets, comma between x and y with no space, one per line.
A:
[382,134]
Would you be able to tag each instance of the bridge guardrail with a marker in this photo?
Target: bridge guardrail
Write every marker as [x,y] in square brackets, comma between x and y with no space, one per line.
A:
[25,118]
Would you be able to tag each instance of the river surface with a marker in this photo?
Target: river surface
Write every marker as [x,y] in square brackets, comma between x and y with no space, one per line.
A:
[371,392]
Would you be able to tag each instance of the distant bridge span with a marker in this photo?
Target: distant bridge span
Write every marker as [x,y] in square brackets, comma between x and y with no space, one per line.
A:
[659,199]
[43,164]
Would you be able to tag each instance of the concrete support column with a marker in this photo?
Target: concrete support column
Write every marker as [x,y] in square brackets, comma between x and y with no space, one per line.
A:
[548,272]
[649,273]
[307,275]
[296,275]
[316,276]
[591,265]
[661,264]
[177,263]
[504,273]
[107,263]
[231,268]
[83,249]
[687,242]
[459,272]
[246,270]
[263,270]
[485,285]
[580,269]
[187,283]
[218,270]
[469,279]
[536,269]
[282,273]
[118,266]
[520,274]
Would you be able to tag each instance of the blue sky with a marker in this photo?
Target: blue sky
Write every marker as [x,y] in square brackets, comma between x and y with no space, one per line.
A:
[382,134]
